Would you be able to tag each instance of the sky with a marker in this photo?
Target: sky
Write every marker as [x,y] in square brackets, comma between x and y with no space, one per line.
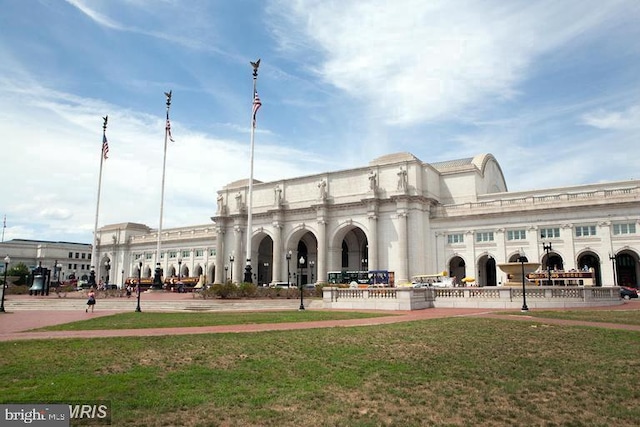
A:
[550,88]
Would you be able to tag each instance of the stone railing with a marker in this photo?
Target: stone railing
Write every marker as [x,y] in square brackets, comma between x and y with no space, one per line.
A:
[533,200]
[471,297]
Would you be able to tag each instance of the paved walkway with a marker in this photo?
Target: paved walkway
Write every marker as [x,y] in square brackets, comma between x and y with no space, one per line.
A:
[24,313]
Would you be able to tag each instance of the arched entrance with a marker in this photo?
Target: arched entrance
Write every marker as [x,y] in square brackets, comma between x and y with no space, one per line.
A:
[263,273]
[486,271]
[588,261]
[350,251]
[457,269]
[197,271]
[305,248]
[554,262]
[627,269]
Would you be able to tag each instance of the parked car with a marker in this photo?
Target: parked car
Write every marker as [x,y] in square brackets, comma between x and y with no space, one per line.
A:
[628,293]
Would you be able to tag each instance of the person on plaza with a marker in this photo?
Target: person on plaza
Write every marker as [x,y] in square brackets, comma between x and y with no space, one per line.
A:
[91,302]
[129,290]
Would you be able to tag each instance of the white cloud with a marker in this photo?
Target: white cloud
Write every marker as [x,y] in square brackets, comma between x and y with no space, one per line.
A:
[416,61]
[615,120]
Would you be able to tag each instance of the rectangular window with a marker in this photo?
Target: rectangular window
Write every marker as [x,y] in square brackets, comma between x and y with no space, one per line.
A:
[89,257]
[185,254]
[173,254]
[212,252]
[455,238]
[81,266]
[70,254]
[516,234]
[75,266]
[485,236]
[199,252]
[624,229]
[550,233]
[84,256]
[585,230]
[77,255]
[69,267]
[148,256]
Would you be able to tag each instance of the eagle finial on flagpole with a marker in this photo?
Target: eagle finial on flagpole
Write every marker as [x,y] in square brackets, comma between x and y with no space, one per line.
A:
[104,125]
[255,66]
[168,95]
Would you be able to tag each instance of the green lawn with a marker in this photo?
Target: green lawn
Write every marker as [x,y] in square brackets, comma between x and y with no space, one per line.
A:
[444,372]
[629,317]
[178,320]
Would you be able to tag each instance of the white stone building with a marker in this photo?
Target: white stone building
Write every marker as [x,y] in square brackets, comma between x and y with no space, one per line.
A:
[397,214]
[63,259]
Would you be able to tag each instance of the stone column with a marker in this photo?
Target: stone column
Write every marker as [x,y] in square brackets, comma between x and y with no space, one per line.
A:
[373,241]
[322,251]
[403,244]
[219,274]
[238,259]
[278,256]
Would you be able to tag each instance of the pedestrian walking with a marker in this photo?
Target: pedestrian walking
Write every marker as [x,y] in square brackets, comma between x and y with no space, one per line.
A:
[91,302]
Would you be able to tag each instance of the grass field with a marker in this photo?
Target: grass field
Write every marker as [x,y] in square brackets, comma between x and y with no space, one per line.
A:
[444,372]
[186,320]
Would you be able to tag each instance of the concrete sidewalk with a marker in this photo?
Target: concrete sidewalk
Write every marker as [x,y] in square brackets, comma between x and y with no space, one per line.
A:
[16,323]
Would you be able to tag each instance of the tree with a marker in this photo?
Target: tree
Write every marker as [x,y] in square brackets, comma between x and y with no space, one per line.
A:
[19,270]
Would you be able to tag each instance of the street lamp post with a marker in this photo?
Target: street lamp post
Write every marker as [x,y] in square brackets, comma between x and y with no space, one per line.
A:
[266,272]
[226,270]
[107,267]
[301,262]
[157,277]
[59,269]
[138,310]
[55,272]
[547,249]
[288,256]
[612,258]
[179,274]
[7,260]
[231,259]
[522,259]
[311,265]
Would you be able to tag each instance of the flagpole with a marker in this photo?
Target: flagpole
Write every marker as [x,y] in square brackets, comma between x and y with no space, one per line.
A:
[4,225]
[157,279]
[94,247]
[247,268]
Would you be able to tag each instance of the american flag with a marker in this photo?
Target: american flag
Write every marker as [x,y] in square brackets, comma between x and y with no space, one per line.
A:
[105,147]
[169,129]
[256,106]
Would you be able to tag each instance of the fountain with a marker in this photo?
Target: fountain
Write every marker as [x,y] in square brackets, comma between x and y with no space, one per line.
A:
[514,271]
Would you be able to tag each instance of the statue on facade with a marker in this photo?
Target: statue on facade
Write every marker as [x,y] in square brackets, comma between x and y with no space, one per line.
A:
[239,201]
[277,195]
[322,185]
[402,179]
[220,200]
[373,181]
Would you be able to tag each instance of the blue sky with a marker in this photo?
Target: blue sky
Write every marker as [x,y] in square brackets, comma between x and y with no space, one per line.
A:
[550,88]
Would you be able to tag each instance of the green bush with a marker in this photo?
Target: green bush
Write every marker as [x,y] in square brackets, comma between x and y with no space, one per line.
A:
[224,290]
[247,290]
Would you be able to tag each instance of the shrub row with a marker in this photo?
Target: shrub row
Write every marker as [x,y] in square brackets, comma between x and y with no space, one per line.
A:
[249,290]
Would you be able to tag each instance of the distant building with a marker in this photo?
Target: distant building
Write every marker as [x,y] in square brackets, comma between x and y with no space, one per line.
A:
[397,214]
[71,258]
